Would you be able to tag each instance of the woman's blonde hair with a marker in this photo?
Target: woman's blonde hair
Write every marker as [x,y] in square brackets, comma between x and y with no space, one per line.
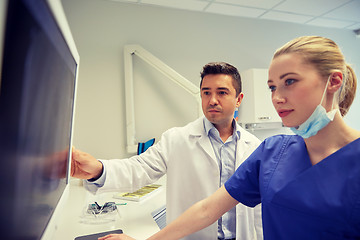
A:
[326,57]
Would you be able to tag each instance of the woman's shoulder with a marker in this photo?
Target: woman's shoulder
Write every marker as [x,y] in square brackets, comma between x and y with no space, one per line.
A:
[280,138]
[281,143]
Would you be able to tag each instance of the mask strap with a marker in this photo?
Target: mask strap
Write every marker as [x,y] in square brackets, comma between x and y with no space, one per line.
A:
[322,98]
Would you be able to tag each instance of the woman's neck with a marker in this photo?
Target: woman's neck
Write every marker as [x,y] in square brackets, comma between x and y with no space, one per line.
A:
[330,139]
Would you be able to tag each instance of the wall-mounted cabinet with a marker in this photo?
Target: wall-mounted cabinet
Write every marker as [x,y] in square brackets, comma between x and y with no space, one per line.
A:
[256,110]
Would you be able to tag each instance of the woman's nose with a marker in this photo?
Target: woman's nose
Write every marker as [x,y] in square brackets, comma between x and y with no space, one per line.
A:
[278,98]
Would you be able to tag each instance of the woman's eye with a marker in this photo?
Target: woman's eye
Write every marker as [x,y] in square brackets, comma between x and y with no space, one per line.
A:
[289,81]
[272,88]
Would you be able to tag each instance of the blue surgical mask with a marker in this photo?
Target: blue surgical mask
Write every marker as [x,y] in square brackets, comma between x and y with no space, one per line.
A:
[317,121]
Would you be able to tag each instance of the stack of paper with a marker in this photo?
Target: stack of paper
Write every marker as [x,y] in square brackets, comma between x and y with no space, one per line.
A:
[140,194]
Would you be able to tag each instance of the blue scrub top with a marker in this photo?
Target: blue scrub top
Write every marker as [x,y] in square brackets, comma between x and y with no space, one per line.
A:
[299,200]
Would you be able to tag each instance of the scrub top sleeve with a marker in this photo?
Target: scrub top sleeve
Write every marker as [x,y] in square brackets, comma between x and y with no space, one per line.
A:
[244,184]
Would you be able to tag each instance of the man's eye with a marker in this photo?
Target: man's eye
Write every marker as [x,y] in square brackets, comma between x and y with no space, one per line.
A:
[206,93]
[222,93]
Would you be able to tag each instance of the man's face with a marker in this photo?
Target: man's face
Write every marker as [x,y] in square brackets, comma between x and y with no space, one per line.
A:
[219,99]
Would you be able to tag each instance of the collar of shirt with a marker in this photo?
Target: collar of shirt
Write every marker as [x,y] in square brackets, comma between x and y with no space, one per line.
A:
[211,130]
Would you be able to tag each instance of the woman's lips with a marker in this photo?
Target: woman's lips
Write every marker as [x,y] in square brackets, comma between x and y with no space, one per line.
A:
[283,113]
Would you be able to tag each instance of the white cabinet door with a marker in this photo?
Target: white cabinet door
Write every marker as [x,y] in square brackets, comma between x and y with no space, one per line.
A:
[256,106]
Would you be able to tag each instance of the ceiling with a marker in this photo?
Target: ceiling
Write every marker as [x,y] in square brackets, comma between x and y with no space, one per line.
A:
[325,13]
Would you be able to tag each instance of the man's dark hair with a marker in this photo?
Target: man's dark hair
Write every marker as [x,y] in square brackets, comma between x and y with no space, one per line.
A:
[223,68]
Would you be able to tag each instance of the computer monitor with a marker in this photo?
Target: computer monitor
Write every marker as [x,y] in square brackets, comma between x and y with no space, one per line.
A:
[39,67]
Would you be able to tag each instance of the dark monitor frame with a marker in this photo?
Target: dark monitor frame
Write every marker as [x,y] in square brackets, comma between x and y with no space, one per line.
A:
[44,12]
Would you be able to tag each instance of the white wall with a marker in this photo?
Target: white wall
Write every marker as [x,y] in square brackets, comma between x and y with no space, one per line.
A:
[185,41]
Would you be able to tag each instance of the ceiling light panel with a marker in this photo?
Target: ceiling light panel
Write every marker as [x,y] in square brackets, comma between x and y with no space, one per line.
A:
[349,11]
[268,4]
[310,7]
[234,10]
[194,5]
[287,17]
[323,22]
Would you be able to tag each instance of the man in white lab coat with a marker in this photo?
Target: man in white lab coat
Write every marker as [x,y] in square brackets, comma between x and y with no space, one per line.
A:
[197,158]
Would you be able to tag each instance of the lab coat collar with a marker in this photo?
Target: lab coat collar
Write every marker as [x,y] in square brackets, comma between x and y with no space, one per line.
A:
[197,131]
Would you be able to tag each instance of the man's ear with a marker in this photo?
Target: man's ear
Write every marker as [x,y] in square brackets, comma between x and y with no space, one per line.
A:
[336,80]
[239,99]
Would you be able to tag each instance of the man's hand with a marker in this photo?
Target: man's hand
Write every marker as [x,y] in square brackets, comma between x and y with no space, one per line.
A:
[85,166]
[116,237]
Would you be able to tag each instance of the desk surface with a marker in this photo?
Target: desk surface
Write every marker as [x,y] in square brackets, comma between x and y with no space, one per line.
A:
[135,218]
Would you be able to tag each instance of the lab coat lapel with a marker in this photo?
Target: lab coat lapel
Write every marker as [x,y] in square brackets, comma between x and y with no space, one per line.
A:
[205,144]
[198,132]
[245,145]
[241,148]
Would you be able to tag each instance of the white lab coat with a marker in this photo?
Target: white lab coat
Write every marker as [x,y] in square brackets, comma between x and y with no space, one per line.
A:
[186,155]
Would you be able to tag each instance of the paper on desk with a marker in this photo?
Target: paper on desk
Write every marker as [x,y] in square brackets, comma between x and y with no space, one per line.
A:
[140,194]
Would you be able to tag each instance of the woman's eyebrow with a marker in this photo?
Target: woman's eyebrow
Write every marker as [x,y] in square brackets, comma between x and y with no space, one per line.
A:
[285,74]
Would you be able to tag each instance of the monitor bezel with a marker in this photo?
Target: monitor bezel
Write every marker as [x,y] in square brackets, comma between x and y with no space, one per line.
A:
[56,9]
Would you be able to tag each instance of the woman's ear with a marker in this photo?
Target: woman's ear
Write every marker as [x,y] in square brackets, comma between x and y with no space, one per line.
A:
[336,80]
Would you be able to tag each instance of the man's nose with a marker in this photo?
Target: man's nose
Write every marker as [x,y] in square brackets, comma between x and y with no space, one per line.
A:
[213,100]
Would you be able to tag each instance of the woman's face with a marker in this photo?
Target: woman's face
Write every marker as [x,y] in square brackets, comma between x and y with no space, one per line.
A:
[296,88]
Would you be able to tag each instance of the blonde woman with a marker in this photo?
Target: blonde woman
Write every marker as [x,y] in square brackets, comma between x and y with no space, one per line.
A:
[308,183]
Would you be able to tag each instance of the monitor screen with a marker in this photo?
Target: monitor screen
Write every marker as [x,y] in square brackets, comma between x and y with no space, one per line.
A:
[37,91]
